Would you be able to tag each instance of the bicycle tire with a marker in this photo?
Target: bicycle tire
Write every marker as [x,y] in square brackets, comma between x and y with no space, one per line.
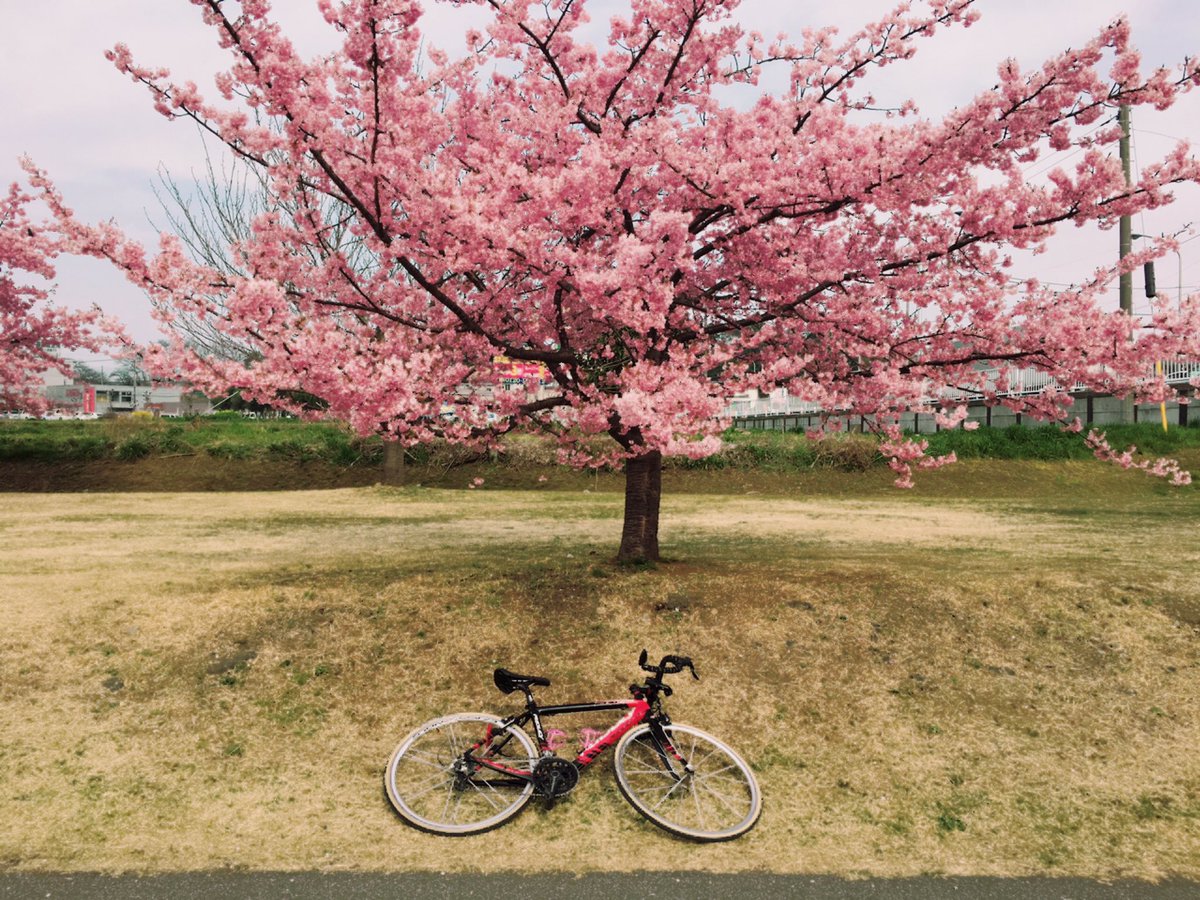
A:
[718,800]
[420,777]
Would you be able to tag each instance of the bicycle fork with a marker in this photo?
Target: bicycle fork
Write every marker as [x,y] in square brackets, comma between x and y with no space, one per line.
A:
[670,757]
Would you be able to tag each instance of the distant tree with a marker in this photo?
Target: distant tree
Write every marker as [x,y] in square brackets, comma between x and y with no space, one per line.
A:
[609,213]
[130,370]
[34,333]
[213,214]
[81,371]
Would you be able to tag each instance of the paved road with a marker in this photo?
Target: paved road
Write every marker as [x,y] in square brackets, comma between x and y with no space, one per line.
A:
[667,886]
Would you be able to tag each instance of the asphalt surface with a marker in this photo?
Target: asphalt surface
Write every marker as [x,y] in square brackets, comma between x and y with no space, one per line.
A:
[667,885]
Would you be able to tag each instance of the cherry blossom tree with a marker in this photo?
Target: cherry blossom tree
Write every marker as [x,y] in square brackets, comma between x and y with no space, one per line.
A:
[617,214]
[33,333]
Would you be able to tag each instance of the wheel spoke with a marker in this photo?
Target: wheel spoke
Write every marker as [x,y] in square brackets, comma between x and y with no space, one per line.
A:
[662,788]
[434,787]
[455,745]
[647,770]
[697,765]
[696,800]
[446,810]
[716,799]
[424,758]
[490,801]
[458,803]
[436,778]
[715,772]
[469,805]
[729,804]
[667,795]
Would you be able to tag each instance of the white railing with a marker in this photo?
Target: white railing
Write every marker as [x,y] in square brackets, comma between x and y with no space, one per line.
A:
[1180,371]
[772,406]
[1021,383]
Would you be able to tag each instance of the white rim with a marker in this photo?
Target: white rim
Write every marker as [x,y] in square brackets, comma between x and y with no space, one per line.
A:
[706,785]
[506,808]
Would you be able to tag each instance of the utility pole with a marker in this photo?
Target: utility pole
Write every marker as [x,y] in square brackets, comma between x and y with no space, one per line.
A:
[1126,228]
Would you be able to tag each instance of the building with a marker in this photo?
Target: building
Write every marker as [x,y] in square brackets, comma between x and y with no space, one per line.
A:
[116,399]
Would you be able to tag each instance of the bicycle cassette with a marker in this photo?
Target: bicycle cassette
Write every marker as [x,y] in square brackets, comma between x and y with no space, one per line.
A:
[554,776]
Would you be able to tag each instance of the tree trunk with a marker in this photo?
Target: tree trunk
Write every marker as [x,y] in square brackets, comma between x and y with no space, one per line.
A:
[393,462]
[643,490]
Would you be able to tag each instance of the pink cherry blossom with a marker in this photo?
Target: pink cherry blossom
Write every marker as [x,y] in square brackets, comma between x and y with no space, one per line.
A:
[34,333]
[607,212]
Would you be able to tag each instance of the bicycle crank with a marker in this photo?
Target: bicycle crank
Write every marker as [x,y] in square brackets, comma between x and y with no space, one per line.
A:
[554,777]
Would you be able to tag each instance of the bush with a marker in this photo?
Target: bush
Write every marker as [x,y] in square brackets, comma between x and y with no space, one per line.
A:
[338,447]
[291,448]
[224,449]
[135,446]
[1049,442]
[173,440]
[848,452]
[35,441]
[526,452]
[229,435]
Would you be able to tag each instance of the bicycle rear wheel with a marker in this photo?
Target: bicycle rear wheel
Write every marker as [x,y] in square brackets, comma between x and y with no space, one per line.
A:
[435,787]
[692,785]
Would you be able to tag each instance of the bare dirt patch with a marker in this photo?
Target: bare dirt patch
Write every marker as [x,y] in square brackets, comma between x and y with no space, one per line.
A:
[894,521]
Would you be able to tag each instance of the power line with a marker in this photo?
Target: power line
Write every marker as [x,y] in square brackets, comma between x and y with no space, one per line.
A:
[1170,137]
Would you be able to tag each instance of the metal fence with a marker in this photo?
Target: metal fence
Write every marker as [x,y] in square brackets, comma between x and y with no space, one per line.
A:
[1021,383]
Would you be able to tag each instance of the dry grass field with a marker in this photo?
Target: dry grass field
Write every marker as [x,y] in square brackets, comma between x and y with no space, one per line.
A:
[1006,685]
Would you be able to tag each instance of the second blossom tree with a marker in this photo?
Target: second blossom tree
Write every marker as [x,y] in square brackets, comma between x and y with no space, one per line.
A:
[35,333]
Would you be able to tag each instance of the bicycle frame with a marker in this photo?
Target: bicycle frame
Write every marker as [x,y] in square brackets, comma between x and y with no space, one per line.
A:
[467,773]
[638,711]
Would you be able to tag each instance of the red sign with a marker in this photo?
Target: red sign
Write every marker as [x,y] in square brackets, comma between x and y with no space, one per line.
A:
[522,369]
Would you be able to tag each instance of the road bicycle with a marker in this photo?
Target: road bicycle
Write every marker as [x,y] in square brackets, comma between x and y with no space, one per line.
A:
[470,772]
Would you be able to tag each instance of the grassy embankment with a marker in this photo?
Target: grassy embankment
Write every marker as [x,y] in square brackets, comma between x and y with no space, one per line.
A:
[228,452]
[994,674]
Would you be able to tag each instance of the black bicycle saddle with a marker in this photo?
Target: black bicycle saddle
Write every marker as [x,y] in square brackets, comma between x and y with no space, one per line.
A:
[510,681]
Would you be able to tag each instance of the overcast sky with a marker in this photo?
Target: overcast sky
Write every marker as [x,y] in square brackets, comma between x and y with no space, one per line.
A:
[96,133]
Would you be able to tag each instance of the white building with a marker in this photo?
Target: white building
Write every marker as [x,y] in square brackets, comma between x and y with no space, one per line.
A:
[115,399]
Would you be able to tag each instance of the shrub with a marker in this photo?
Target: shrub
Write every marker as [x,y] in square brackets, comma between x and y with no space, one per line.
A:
[173,440]
[1049,442]
[224,449]
[848,452]
[135,446]
[523,452]
[291,448]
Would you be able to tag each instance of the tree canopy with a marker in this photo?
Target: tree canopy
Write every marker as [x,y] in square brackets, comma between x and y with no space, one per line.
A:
[610,213]
[33,332]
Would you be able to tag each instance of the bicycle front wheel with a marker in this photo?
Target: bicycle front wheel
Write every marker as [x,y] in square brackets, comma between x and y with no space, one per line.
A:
[437,785]
[690,784]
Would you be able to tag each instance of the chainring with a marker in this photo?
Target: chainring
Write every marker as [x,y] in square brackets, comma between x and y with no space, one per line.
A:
[555,776]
